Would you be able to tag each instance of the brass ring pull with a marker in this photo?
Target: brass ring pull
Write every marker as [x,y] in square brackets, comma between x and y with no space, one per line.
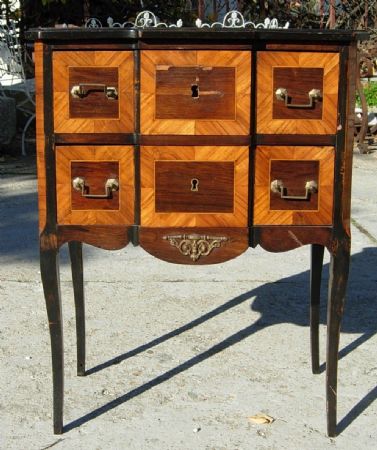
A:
[314,94]
[82,90]
[277,186]
[112,184]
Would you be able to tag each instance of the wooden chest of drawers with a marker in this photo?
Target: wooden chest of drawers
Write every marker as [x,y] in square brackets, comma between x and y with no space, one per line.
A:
[195,144]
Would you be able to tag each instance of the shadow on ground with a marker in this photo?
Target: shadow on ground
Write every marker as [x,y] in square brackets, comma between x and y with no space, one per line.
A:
[284,301]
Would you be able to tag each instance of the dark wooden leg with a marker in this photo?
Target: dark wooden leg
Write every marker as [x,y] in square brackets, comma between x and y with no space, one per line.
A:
[315,295]
[339,268]
[75,253]
[51,287]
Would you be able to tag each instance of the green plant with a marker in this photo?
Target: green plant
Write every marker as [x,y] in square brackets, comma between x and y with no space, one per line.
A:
[370,92]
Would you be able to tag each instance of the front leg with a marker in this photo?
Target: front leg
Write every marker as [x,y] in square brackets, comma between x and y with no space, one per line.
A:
[51,287]
[317,252]
[339,268]
[75,253]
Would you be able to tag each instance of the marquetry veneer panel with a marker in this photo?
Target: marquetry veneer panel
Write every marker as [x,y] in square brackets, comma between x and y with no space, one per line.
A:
[195,92]
[95,165]
[94,112]
[299,73]
[294,166]
[222,198]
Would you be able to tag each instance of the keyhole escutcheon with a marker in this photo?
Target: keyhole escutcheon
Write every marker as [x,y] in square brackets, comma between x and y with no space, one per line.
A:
[194,185]
[195,91]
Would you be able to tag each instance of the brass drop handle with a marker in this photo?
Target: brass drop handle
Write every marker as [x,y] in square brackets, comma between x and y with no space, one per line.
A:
[282,94]
[82,90]
[277,186]
[112,184]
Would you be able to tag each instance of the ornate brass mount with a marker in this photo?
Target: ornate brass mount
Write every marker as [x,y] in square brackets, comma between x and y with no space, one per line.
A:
[314,94]
[83,89]
[112,184]
[277,186]
[194,245]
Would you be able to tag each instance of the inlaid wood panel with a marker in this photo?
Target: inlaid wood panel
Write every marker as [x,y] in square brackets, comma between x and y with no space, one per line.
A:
[294,175]
[298,73]
[39,67]
[195,92]
[222,196]
[95,174]
[199,186]
[95,164]
[294,166]
[93,112]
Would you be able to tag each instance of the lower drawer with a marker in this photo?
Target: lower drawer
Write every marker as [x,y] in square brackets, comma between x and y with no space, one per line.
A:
[95,185]
[293,186]
[194,186]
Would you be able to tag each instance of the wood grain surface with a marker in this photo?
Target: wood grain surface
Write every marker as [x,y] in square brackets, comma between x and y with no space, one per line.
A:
[153,241]
[265,215]
[38,60]
[237,156]
[93,63]
[267,63]
[162,93]
[195,186]
[79,156]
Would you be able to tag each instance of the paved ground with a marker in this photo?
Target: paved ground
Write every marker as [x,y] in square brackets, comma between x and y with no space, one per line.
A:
[180,357]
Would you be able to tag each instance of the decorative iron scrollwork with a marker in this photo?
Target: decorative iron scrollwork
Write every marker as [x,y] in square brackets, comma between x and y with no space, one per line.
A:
[194,245]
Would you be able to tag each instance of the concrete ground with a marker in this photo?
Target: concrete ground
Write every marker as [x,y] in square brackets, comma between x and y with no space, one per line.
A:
[181,357]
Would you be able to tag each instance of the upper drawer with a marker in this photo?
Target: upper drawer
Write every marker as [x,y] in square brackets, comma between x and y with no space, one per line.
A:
[93,92]
[195,92]
[297,93]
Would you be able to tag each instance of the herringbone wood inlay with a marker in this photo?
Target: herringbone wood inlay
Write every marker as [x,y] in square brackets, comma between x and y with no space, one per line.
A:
[267,61]
[119,154]
[91,60]
[153,60]
[236,218]
[264,215]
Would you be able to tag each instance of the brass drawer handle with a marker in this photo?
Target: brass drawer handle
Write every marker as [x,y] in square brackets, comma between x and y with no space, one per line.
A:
[277,186]
[314,94]
[112,184]
[83,89]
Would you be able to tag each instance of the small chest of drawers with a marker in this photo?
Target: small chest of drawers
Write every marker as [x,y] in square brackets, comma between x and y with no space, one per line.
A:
[196,145]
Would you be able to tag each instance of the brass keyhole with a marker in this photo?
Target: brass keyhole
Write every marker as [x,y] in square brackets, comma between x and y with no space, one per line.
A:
[195,91]
[194,185]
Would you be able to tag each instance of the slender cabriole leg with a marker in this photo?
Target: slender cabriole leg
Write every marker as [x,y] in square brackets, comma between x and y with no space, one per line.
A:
[339,268]
[51,287]
[75,253]
[317,252]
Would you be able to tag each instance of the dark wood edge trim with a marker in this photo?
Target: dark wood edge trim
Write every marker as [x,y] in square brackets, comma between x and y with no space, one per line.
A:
[340,153]
[190,140]
[137,212]
[88,45]
[301,47]
[296,139]
[108,237]
[48,127]
[182,45]
[191,34]
[96,138]
[284,238]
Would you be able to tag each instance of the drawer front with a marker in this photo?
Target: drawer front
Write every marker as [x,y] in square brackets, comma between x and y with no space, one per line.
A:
[195,92]
[297,93]
[293,185]
[95,185]
[194,186]
[93,92]
[198,186]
